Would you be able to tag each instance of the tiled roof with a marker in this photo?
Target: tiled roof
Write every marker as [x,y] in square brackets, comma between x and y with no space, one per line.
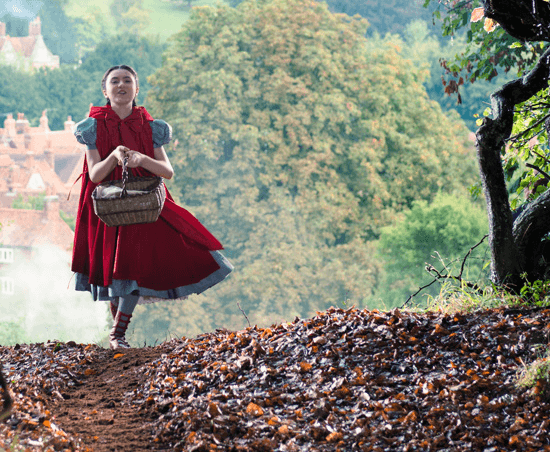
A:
[69,167]
[36,170]
[47,148]
[31,228]
[24,45]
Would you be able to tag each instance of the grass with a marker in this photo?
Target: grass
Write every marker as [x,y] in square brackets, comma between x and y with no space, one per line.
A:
[166,19]
[534,376]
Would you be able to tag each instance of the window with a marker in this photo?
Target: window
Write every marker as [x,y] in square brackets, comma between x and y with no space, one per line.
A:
[6,285]
[6,255]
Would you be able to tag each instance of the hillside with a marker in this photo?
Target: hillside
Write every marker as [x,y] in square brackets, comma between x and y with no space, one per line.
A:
[343,380]
[165,18]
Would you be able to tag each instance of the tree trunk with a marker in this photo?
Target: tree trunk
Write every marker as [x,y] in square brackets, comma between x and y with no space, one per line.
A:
[515,248]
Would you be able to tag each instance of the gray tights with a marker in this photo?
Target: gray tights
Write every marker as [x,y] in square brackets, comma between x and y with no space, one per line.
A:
[127,303]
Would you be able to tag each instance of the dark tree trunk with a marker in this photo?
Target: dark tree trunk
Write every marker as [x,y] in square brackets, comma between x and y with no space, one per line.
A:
[515,248]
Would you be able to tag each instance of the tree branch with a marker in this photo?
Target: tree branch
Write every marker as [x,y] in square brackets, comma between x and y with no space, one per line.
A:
[536,168]
[432,270]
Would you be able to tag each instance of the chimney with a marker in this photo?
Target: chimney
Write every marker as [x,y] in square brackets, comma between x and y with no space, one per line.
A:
[9,125]
[44,122]
[2,29]
[34,27]
[51,208]
[22,124]
[69,124]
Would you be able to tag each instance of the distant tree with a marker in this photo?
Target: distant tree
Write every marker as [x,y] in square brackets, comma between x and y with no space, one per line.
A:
[439,233]
[130,16]
[420,44]
[144,54]
[91,29]
[15,26]
[59,30]
[30,202]
[64,92]
[298,140]
[384,16]
[19,92]
[182,3]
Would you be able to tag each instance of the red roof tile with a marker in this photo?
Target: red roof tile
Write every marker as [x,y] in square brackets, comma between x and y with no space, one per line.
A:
[31,228]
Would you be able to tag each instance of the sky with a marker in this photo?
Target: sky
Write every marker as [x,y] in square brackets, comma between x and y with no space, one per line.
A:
[24,9]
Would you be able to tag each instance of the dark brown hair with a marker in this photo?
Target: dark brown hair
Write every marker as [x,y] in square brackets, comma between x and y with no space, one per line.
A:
[114,68]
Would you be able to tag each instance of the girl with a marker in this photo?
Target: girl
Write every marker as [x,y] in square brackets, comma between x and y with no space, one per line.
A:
[169,259]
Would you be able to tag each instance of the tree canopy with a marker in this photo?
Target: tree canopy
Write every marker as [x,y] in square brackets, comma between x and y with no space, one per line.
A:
[297,139]
[69,90]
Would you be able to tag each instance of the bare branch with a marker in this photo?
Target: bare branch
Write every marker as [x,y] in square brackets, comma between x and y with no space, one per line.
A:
[438,275]
[244,313]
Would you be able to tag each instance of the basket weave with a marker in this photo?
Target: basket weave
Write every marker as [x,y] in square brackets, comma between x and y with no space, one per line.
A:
[131,209]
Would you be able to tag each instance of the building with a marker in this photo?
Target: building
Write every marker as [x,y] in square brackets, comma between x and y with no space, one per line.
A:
[28,52]
[22,232]
[37,160]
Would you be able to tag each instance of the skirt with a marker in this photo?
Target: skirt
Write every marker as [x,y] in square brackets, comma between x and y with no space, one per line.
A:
[119,288]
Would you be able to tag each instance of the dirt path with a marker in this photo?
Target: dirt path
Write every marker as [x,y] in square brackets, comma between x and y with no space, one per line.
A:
[353,380]
[98,411]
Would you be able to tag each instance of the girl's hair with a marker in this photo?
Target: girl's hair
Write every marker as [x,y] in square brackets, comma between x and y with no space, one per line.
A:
[120,66]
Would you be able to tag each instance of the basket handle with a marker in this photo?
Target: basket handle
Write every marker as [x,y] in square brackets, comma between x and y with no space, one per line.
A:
[124,192]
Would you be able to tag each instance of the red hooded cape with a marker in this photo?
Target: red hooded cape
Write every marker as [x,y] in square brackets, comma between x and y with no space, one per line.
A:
[172,252]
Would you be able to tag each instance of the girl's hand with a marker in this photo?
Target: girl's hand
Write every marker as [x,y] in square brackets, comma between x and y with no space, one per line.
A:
[119,153]
[135,159]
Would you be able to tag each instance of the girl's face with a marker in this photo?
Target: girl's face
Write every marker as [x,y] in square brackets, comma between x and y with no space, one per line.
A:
[120,87]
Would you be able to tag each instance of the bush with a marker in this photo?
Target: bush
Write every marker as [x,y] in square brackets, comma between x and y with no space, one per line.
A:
[440,234]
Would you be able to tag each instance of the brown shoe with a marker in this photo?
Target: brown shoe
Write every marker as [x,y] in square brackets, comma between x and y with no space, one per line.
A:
[116,337]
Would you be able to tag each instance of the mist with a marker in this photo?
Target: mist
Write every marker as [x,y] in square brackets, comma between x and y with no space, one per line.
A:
[45,304]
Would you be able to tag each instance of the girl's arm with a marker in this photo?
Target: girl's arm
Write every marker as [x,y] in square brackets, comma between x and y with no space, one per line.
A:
[160,165]
[98,169]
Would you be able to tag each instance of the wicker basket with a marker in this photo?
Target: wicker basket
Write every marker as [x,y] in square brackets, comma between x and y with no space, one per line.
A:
[131,209]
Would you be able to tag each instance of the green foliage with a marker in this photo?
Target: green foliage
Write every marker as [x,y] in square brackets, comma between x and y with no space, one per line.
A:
[440,234]
[143,54]
[15,26]
[529,146]
[69,90]
[130,16]
[91,28]
[536,292]
[59,31]
[486,53]
[182,4]
[298,139]
[384,16]
[18,91]
[69,219]
[536,376]
[30,203]
[425,50]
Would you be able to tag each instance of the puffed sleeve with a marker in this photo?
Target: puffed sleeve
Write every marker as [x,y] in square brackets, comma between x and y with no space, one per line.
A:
[86,132]
[162,133]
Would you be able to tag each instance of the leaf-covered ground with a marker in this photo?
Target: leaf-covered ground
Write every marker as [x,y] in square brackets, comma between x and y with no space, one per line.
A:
[343,380]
